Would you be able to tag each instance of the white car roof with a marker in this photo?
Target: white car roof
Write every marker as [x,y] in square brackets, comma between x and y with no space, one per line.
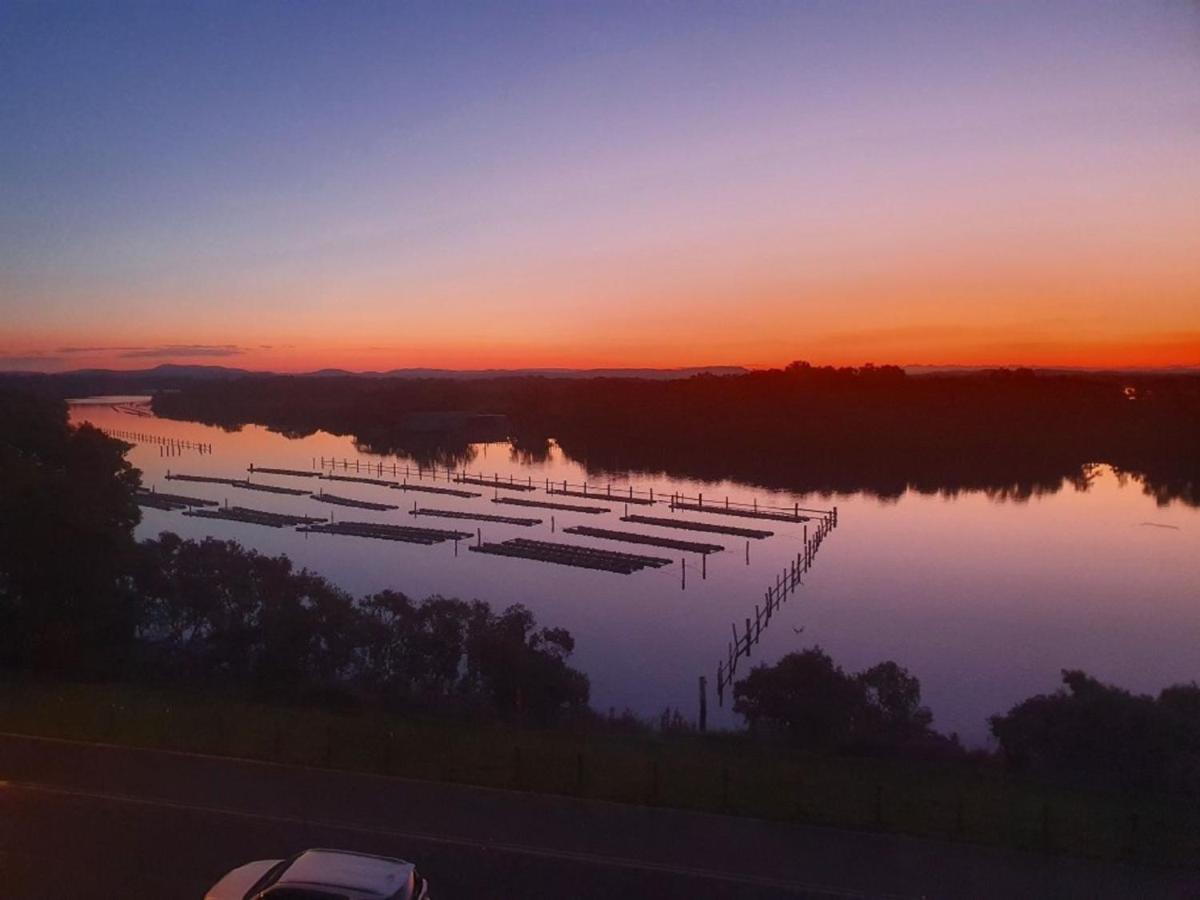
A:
[366,875]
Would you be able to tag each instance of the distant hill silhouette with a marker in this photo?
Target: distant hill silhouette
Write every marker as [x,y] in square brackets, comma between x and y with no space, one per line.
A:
[85,382]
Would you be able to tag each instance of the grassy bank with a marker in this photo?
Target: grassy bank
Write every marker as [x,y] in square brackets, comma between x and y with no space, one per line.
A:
[715,773]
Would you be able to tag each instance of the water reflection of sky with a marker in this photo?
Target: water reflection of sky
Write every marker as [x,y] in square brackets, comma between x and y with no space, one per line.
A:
[984,601]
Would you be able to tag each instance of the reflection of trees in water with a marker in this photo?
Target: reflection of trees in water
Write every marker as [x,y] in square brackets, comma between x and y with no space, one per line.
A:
[528,450]
[423,449]
[1011,434]
[1011,481]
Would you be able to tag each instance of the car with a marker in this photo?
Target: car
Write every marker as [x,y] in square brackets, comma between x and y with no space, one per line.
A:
[323,875]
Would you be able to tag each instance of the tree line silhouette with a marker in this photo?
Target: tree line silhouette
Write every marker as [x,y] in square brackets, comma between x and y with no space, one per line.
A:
[1010,432]
[79,597]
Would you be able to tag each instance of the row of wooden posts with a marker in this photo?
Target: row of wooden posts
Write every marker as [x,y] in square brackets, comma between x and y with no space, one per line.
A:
[166,442]
[786,584]
[600,492]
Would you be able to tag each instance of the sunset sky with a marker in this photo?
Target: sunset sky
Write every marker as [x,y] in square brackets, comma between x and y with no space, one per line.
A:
[290,186]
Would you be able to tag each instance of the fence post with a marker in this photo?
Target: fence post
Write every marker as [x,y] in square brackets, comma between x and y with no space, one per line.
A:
[704,703]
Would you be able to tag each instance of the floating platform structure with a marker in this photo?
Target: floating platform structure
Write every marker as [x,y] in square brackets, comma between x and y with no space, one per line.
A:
[509,485]
[474,516]
[402,533]
[602,495]
[707,527]
[378,482]
[170,502]
[572,555]
[350,501]
[239,483]
[296,473]
[205,479]
[746,512]
[430,489]
[252,516]
[634,537]
[269,488]
[545,504]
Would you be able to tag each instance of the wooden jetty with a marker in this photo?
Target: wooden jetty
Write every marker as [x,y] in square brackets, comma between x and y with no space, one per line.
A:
[545,504]
[748,512]
[296,473]
[608,494]
[572,555]
[350,501]
[634,537]
[474,516]
[404,533]
[510,485]
[251,516]
[706,527]
[378,482]
[155,500]
[430,489]
[380,467]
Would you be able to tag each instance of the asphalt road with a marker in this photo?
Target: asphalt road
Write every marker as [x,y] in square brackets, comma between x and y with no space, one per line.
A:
[92,821]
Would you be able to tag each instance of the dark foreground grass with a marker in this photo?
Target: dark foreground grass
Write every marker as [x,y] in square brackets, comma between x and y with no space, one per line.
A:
[716,773]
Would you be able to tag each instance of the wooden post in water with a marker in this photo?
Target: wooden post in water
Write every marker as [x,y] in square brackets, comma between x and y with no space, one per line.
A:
[682,574]
[478,537]
[552,524]
[747,553]
[703,560]
[748,635]
[703,705]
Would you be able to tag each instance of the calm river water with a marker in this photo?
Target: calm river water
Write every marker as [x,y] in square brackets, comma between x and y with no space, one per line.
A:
[985,600]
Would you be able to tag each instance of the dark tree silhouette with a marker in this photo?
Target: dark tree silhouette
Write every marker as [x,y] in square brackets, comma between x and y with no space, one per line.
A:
[809,700]
[1101,735]
[1012,433]
[67,513]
